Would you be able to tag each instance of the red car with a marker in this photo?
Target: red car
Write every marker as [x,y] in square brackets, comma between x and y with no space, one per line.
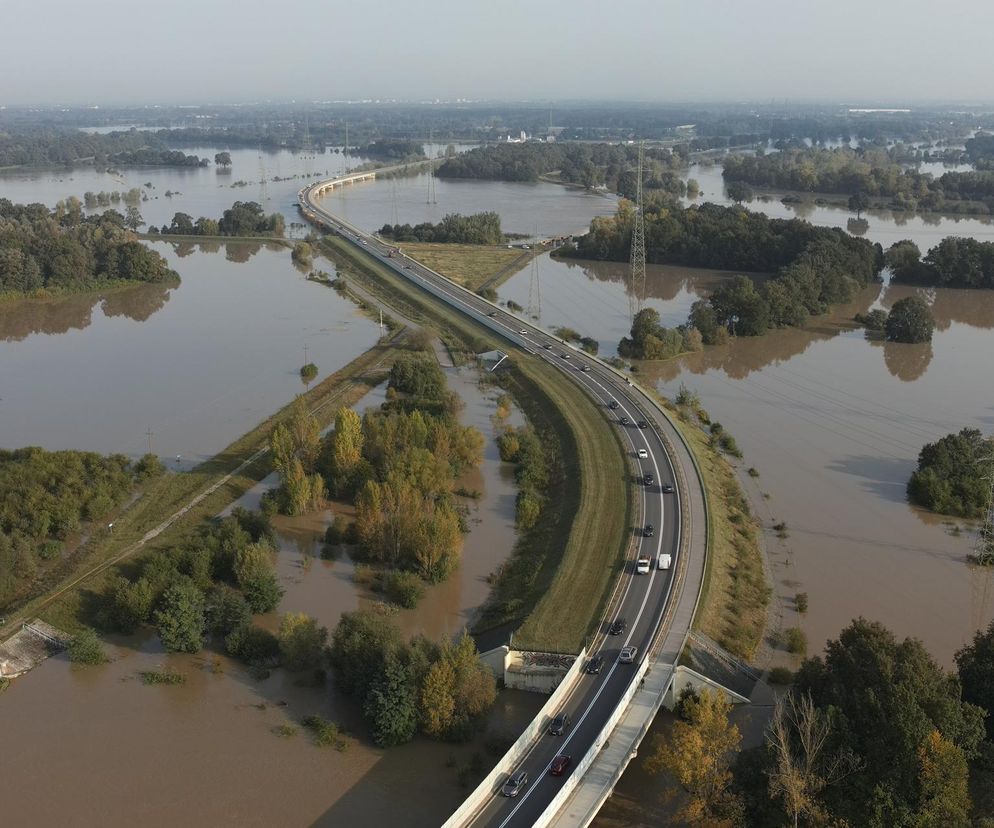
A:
[559,764]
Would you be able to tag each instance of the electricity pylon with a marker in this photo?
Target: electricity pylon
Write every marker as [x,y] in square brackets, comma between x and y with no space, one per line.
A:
[636,287]
[535,287]
[431,171]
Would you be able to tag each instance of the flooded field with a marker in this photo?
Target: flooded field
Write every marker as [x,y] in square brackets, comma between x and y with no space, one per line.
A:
[197,364]
[833,422]
[213,740]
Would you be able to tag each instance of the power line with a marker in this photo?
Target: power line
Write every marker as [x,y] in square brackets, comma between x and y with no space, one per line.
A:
[636,295]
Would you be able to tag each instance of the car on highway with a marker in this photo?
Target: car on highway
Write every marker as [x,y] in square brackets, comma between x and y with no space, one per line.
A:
[407,267]
[667,489]
[643,454]
[624,421]
[642,566]
[559,765]
[643,424]
[492,314]
[628,654]
[515,783]
[586,369]
[649,530]
[564,356]
[594,666]
[618,627]
[649,479]
[559,724]
[523,332]
[613,405]
[547,346]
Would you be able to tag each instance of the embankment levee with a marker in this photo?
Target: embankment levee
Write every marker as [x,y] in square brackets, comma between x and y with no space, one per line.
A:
[173,504]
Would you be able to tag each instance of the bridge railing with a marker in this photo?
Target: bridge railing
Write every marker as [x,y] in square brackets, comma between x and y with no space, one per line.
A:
[510,760]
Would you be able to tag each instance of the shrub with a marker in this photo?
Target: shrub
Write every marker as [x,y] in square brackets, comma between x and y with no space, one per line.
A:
[403,588]
[180,619]
[301,641]
[325,733]
[796,641]
[253,645]
[85,648]
[801,602]
[308,372]
[149,677]
[780,676]
[753,471]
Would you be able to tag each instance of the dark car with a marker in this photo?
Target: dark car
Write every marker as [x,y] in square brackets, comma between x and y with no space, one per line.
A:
[515,783]
[648,479]
[649,530]
[667,489]
[643,424]
[547,346]
[613,404]
[492,313]
[594,665]
[618,627]
[559,724]
[624,421]
[559,764]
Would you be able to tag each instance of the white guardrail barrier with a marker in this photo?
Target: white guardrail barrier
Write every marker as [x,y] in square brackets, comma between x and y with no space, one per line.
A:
[510,760]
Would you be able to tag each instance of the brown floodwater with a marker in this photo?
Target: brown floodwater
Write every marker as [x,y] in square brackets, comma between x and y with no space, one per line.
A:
[96,747]
[834,423]
[198,364]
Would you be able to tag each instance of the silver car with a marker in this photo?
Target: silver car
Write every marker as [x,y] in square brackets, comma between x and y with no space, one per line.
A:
[515,784]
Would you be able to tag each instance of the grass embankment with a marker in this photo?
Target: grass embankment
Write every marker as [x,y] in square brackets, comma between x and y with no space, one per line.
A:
[575,554]
[470,265]
[735,594]
[163,497]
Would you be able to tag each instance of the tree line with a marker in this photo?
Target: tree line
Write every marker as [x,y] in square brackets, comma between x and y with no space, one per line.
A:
[48,496]
[873,172]
[953,262]
[590,165]
[41,146]
[391,149]
[454,228]
[62,250]
[243,218]
[874,733]
[814,267]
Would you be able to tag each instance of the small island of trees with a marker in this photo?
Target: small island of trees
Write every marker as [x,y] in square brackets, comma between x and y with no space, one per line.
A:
[243,218]
[951,475]
[479,228]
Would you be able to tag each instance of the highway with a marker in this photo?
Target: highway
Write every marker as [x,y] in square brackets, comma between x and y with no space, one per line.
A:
[641,599]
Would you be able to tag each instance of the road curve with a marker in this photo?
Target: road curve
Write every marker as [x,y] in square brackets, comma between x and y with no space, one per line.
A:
[644,598]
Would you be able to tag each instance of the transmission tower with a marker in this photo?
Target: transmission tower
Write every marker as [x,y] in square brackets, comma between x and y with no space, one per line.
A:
[636,288]
[307,149]
[345,149]
[535,288]
[431,171]
[263,192]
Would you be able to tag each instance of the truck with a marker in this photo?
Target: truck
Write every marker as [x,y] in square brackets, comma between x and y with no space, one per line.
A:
[664,561]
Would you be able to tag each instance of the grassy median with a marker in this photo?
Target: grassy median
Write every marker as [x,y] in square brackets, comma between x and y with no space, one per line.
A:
[470,265]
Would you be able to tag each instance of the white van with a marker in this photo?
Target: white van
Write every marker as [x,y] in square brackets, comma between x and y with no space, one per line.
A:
[664,560]
[642,566]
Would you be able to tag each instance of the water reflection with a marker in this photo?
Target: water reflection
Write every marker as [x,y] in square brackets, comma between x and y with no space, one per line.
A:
[21,318]
[905,361]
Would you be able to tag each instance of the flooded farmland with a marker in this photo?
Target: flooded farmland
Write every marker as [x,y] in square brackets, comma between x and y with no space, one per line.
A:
[198,364]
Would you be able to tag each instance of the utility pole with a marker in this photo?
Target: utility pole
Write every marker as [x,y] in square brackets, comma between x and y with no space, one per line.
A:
[431,172]
[636,295]
[305,353]
[149,434]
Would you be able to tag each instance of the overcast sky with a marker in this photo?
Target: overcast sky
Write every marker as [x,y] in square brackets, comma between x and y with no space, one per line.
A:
[178,51]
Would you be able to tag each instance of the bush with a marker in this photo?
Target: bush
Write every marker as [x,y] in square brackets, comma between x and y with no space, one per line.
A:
[780,676]
[180,619]
[149,677]
[801,602]
[403,588]
[85,648]
[325,733]
[253,645]
[308,372]
[910,320]
[796,641]
[301,642]
[752,471]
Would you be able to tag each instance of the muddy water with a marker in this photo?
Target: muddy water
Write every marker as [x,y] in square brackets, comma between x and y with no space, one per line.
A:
[198,364]
[551,209]
[211,741]
[199,191]
[833,422]
[97,748]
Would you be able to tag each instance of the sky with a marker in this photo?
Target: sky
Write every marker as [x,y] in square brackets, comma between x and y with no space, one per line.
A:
[200,51]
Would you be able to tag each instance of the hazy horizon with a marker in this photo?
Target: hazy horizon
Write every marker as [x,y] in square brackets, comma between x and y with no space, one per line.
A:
[712,51]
